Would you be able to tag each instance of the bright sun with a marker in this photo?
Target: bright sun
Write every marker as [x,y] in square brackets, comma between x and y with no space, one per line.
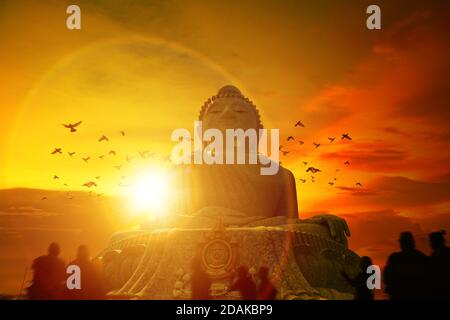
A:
[149,192]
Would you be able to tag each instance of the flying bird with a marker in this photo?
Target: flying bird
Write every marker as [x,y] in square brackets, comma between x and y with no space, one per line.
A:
[299,123]
[316,144]
[71,153]
[97,177]
[331,139]
[331,183]
[57,150]
[101,157]
[90,184]
[359,184]
[302,180]
[55,177]
[86,159]
[290,138]
[122,133]
[301,142]
[313,170]
[285,152]
[44,198]
[346,136]
[118,167]
[72,126]
[103,138]
[337,170]
[112,152]
[129,158]
[66,184]
[305,162]
[144,154]
[280,147]
[347,163]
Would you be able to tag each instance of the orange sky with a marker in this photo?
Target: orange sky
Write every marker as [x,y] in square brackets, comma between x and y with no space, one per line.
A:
[146,68]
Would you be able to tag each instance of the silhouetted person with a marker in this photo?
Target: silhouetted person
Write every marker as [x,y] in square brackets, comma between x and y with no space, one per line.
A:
[362,292]
[92,286]
[439,266]
[266,289]
[200,282]
[245,284]
[49,276]
[405,272]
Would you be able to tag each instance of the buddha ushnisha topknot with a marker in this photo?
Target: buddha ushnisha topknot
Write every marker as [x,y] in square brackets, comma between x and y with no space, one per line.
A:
[229,91]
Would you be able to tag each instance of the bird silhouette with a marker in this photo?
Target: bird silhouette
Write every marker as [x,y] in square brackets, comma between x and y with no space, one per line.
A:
[302,180]
[316,144]
[331,139]
[346,136]
[72,126]
[337,170]
[331,183]
[301,142]
[285,152]
[97,177]
[359,184]
[299,123]
[66,184]
[55,177]
[112,152]
[57,150]
[102,156]
[118,167]
[312,169]
[90,184]
[290,138]
[347,163]
[86,159]
[71,153]
[122,133]
[44,198]
[144,154]
[280,147]
[305,162]
[103,138]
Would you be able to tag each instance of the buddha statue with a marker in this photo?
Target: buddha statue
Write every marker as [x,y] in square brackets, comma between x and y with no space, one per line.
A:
[240,211]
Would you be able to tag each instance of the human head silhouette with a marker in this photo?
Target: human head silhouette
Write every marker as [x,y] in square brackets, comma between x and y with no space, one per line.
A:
[437,239]
[365,262]
[407,241]
[83,253]
[263,273]
[53,249]
[242,272]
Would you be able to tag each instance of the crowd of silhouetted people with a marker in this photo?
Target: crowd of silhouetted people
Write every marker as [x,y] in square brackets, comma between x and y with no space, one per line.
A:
[410,274]
[50,277]
[243,282]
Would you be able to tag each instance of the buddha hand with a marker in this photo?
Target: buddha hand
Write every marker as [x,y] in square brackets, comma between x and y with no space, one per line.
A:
[337,226]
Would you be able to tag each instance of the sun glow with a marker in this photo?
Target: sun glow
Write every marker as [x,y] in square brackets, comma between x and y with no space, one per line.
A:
[149,193]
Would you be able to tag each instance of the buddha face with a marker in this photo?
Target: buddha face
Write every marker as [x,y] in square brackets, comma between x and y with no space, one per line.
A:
[230,113]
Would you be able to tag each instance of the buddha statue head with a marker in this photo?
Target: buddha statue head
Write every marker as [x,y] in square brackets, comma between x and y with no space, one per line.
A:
[229,109]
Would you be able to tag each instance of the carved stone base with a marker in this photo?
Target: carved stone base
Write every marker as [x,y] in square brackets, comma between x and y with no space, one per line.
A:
[157,264]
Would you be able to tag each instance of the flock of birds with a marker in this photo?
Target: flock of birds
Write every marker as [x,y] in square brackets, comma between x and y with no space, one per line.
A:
[311,169]
[145,154]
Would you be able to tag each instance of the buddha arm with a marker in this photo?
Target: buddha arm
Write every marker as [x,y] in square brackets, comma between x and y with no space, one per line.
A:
[287,205]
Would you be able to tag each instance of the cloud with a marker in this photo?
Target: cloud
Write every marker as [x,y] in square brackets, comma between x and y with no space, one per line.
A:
[26,211]
[375,233]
